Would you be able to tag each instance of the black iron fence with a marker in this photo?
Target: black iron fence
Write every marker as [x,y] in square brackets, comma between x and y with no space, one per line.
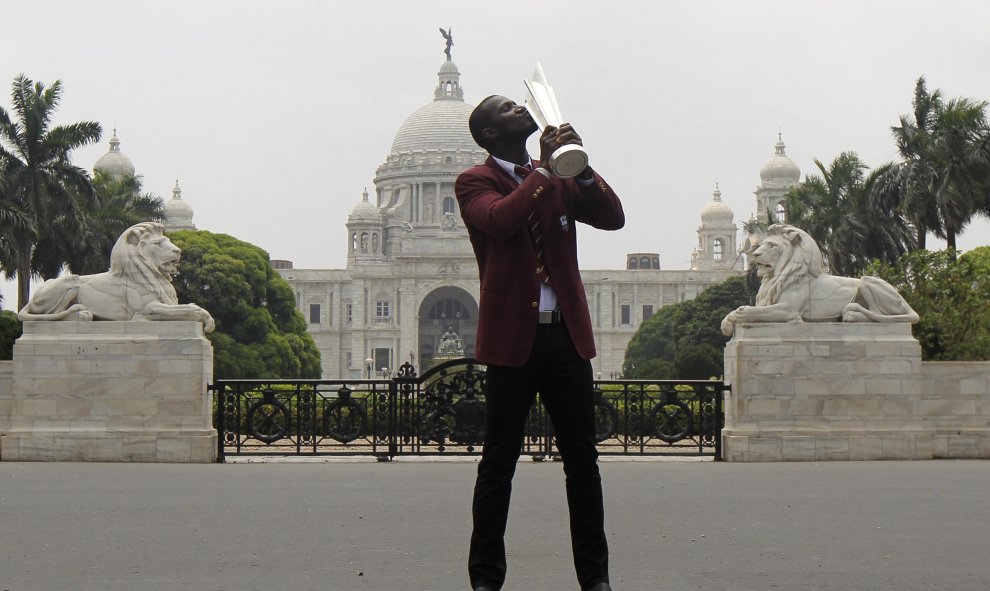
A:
[442,412]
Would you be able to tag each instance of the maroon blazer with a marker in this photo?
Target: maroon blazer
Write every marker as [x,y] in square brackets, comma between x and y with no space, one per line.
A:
[494,208]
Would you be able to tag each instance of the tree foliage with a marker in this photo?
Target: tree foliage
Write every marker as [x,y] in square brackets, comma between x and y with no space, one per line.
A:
[950,296]
[943,180]
[850,218]
[85,249]
[40,184]
[684,340]
[10,331]
[260,333]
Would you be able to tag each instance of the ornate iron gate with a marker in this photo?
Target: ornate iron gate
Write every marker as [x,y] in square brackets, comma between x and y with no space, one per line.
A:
[442,412]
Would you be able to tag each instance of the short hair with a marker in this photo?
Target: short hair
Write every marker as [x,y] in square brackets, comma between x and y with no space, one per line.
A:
[478,121]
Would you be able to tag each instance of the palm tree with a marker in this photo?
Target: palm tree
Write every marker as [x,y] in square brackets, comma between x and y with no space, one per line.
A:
[838,208]
[961,168]
[39,180]
[86,249]
[944,177]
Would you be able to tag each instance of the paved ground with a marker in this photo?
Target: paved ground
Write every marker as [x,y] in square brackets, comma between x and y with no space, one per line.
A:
[360,525]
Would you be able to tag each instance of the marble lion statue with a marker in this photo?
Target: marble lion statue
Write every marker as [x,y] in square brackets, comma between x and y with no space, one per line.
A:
[138,285]
[795,288]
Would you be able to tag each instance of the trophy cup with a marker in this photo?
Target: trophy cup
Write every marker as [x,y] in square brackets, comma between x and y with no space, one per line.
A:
[567,161]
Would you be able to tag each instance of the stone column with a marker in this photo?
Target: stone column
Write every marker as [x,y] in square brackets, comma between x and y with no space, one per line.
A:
[111,391]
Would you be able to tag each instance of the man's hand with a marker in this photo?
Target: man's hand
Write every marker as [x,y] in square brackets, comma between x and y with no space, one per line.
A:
[555,137]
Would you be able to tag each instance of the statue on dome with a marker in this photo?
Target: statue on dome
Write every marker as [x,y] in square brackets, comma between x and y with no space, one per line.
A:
[450,40]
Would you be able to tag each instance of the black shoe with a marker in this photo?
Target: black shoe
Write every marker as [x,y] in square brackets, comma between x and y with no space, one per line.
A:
[600,587]
[483,588]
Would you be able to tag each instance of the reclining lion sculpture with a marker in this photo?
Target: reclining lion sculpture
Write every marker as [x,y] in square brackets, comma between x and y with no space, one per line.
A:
[138,285]
[795,288]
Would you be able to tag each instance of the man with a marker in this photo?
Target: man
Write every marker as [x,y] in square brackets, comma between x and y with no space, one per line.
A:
[534,329]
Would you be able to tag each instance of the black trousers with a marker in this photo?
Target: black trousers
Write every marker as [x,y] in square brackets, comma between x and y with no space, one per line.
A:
[564,381]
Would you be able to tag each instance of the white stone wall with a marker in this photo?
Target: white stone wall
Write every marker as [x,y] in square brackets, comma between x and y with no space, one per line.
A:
[414,278]
[109,391]
[854,391]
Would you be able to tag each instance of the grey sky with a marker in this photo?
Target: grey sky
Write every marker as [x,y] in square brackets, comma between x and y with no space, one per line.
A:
[274,116]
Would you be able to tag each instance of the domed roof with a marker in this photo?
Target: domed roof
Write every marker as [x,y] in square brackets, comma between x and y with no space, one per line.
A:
[780,170]
[114,162]
[716,212]
[442,124]
[178,213]
[364,211]
[449,67]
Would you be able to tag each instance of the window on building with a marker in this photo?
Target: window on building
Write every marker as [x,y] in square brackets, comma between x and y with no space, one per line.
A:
[656,262]
[364,242]
[449,205]
[354,243]
[349,360]
[374,243]
[781,213]
[383,359]
[633,262]
[350,313]
[717,247]
[624,314]
[381,311]
[647,312]
[314,313]
[644,263]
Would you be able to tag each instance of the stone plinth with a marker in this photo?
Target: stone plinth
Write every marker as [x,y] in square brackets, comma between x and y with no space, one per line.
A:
[848,391]
[111,391]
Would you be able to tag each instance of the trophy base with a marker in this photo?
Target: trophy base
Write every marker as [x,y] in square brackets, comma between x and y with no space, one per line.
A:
[568,161]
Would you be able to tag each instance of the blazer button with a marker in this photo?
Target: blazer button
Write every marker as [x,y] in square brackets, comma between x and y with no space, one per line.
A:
[535,304]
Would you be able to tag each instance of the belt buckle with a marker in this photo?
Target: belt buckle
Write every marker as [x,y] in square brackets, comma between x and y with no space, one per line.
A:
[549,317]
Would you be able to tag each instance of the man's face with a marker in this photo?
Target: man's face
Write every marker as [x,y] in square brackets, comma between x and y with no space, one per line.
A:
[509,121]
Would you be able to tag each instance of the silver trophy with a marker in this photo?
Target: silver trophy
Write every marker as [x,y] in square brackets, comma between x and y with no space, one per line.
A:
[567,161]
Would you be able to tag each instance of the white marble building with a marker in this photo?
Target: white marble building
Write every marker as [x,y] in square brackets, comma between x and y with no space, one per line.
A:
[411,274]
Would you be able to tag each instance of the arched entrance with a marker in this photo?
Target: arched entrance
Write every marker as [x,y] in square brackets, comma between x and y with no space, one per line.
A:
[446,309]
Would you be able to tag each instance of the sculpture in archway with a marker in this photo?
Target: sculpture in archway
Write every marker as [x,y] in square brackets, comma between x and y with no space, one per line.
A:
[450,344]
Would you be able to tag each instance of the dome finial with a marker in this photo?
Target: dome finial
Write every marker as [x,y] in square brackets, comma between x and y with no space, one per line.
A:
[449,87]
[178,213]
[449,37]
[114,162]
[780,170]
[718,193]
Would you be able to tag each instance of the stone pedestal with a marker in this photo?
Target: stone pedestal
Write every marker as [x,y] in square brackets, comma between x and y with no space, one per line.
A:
[111,391]
[847,391]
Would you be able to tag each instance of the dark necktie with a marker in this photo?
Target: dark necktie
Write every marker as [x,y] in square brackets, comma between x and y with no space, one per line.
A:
[533,223]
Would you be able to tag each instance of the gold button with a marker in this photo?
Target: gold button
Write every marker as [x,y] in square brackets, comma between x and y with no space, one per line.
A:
[535,304]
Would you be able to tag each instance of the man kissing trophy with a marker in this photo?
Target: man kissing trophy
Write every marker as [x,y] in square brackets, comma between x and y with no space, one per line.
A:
[535,334]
